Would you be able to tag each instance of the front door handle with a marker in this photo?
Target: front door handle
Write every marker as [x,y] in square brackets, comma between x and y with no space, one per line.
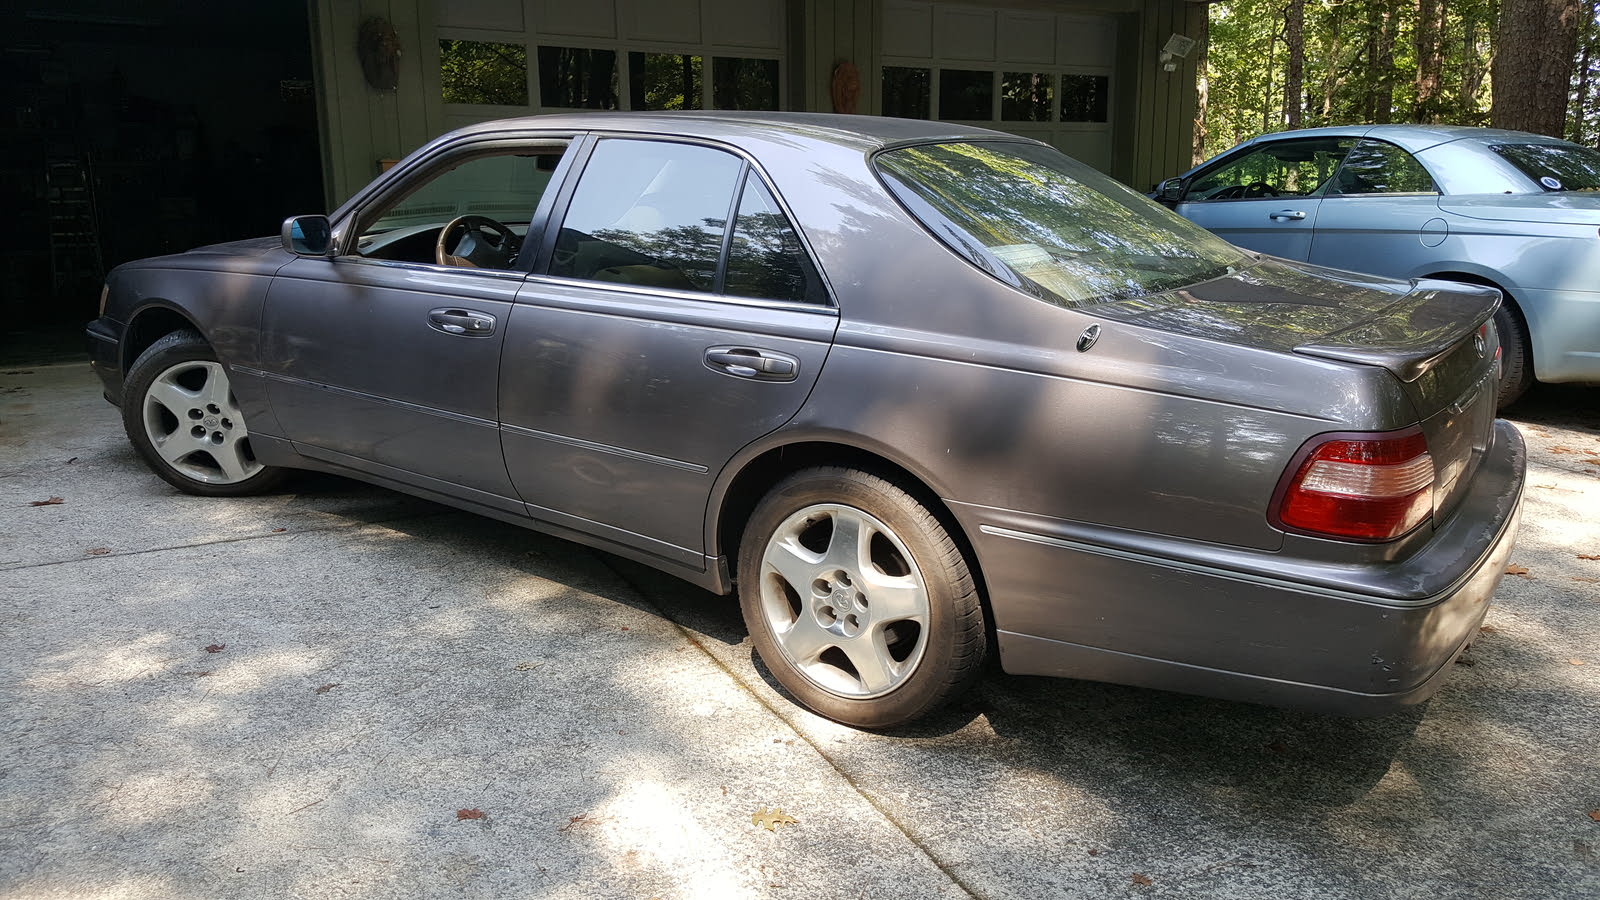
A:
[1294,214]
[461,321]
[746,362]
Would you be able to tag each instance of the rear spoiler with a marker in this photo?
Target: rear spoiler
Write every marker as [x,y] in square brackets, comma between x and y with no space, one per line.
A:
[1412,335]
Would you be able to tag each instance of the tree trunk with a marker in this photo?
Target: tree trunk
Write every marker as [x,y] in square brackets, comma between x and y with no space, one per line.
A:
[1202,90]
[1294,41]
[1579,132]
[1535,43]
[1380,50]
[1429,40]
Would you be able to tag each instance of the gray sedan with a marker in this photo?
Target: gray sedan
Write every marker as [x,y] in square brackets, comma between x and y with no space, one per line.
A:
[1514,211]
[916,393]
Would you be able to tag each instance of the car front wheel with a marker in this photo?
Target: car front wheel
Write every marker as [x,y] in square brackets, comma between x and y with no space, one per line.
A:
[179,411]
[857,599]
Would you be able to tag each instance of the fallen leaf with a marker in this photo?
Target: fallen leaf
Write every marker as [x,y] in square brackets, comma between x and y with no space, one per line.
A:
[1576,662]
[279,530]
[1594,814]
[1142,880]
[1094,851]
[1518,570]
[326,688]
[72,460]
[98,551]
[771,819]
[1593,462]
[1278,747]
[527,666]
[53,501]
[1589,555]
[625,628]
[216,648]
[1488,629]
[468,814]
[1562,450]
[1467,661]
[1587,580]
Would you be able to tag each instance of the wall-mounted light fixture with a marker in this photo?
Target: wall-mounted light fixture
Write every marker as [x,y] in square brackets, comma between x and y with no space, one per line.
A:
[1177,48]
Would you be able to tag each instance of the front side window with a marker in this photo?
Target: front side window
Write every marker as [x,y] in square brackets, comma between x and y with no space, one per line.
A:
[1279,169]
[1053,227]
[1555,167]
[473,213]
[1376,167]
[648,213]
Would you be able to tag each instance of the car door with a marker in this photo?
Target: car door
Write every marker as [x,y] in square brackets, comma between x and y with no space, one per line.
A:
[1376,214]
[657,342]
[386,357]
[1266,197]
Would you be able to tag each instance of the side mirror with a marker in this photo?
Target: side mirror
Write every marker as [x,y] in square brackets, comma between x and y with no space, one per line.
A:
[1171,191]
[308,235]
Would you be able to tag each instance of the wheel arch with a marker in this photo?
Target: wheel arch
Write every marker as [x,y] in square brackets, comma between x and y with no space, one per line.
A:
[745,481]
[152,322]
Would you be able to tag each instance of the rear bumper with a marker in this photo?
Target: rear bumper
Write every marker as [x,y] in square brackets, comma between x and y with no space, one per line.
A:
[1250,625]
[1564,328]
[105,340]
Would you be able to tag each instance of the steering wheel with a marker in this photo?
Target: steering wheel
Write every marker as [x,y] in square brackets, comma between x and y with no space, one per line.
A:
[476,248]
[1258,189]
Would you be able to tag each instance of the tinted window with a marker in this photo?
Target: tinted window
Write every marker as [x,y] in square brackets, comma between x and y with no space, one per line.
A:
[483,72]
[664,81]
[744,83]
[1025,96]
[1051,226]
[577,78]
[966,94]
[1278,169]
[906,92]
[650,213]
[1375,167]
[1084,98]
[765,258]
[1568,167]
[505,189]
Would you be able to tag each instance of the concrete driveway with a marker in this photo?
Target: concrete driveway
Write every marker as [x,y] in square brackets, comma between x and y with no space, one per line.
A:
[343,691]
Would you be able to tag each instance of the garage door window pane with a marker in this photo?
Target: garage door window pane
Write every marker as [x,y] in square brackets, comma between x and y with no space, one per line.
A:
[577,78]
[765,259]
[1083,98]
[966,94]
[483,72]
[1026,96]
[664,81]
[906,92]
[648,213]
[744,83]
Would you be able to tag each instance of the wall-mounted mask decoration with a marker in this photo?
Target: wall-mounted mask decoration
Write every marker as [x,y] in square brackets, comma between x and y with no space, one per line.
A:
[378,48]
[846,87]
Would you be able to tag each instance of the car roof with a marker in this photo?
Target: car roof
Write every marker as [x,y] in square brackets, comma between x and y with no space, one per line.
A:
[1414,138]
[863,132]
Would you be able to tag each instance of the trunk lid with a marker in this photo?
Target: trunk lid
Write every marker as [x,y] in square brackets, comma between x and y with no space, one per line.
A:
[1564,208]
[1423,332]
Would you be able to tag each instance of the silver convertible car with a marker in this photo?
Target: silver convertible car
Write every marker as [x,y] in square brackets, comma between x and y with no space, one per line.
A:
[1517,212]
[917,393]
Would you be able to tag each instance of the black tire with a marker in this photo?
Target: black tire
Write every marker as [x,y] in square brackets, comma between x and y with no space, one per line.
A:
[183,359]
[1516,354]
[927,657]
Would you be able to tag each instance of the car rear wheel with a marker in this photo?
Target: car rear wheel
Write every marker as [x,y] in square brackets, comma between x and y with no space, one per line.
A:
[857,599]
[1516,357]
[179,411]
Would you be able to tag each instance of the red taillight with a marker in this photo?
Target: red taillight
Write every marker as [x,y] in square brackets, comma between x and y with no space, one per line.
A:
[1362,487]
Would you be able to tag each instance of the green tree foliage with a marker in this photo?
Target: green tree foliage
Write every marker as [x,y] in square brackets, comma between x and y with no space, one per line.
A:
[483,72]
[1360,64]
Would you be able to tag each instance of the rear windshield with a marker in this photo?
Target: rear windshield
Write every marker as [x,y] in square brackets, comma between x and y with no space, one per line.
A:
[1053,227]
[1555,167]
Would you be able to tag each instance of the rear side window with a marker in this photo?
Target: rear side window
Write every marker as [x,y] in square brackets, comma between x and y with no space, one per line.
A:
[765,259]
[1376,167]
[649,213]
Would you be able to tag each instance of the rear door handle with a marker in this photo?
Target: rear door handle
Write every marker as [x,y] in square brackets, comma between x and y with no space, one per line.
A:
[747,362]
[1287,214]
[461,321]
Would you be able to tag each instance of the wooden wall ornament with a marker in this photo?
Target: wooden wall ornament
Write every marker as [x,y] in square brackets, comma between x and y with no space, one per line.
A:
[378,48]
[846,87]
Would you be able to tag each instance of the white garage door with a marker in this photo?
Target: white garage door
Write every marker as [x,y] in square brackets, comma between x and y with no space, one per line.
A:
[1040,74]
[515,57]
